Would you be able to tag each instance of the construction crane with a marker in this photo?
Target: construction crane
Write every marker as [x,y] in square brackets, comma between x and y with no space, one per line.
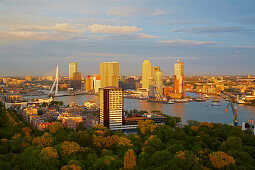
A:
[235,121]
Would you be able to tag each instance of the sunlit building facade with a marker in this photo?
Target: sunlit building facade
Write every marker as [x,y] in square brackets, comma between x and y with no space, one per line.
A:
[72,70]
[178,76]
[111,107]
[158,79]
[146,73]
[109,74]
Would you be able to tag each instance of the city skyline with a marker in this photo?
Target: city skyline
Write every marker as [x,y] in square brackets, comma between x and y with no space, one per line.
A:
[36,36]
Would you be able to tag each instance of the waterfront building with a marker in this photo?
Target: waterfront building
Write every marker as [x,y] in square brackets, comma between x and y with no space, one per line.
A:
[88,84]
[28,78]
[72,70]
[111,106]
[97,84]
[109,74]
[75,82]
[146,73]
[158,79]
[178,76]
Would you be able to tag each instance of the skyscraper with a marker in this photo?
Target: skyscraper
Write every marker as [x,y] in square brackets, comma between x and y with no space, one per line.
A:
[109,74]
[178,76]
[72,70]
[146,73]
[88,83]
[158,79]
[111,106]
[75,83]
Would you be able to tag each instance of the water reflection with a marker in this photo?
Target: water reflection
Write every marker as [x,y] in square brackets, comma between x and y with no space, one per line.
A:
[201,111]
[178,109]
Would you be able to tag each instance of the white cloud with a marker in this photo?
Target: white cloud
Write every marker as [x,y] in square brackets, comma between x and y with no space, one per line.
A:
[123,11]
[145,36]
[173,58]
[159,12]
[109,29]
[240,46]
[190,42]
[58,27]
[29,35]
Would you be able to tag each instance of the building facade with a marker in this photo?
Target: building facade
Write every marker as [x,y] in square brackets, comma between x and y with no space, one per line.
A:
[178,76]
[109,74]
[146,73]
[72,70]
[111,107]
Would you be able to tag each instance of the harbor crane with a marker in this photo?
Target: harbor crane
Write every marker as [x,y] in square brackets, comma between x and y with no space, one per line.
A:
[234,111]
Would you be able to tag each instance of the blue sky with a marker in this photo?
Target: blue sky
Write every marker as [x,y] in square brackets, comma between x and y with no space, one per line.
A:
[210,37]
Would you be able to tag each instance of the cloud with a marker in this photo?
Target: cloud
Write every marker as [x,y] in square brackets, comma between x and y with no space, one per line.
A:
[123,11]
[109,29]
[29,35]
[146,36]
[190,42]
[159,12]
[240,46]
[180,22]
[213,29]
[131,11]
[58,27]
[250,20]
[173,58]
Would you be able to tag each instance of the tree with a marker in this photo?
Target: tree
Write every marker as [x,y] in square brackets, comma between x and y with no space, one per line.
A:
[220,159]
[129,159]
[49,153]
[70,147]
[45,140]
[56,126]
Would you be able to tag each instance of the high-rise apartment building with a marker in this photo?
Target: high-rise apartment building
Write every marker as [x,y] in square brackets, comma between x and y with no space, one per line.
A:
[88,84]
[97,83]
[158,79]
[111,107]
[75,83]
[109,74]
[72,70]
[178,76]
[146,73]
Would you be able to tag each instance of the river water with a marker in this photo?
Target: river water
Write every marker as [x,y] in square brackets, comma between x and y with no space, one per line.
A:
[200,111]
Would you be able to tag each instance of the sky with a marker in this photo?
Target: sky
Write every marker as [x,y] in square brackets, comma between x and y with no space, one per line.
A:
[211,37]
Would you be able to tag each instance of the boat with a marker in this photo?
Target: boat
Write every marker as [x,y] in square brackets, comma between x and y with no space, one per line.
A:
[215,100]
[215,104]
[241,102]
[199,100]
[171,102]
[157,101]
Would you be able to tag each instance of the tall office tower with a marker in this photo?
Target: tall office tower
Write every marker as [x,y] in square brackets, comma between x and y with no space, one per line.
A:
[28,78]
[97,84]
[111,107]
[146,73]
[88,84]
[92,83]
[157,76]
[109,74]
[75,83]
[178,76]
[72,70]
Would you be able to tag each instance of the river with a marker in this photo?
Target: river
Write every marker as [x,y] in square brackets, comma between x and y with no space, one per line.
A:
[201,111]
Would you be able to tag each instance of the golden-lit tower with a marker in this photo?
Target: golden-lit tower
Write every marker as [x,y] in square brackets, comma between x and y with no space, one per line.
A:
[178,76]
[111,106]
[72,70]
[109,74]
[146,73]
[158,79]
